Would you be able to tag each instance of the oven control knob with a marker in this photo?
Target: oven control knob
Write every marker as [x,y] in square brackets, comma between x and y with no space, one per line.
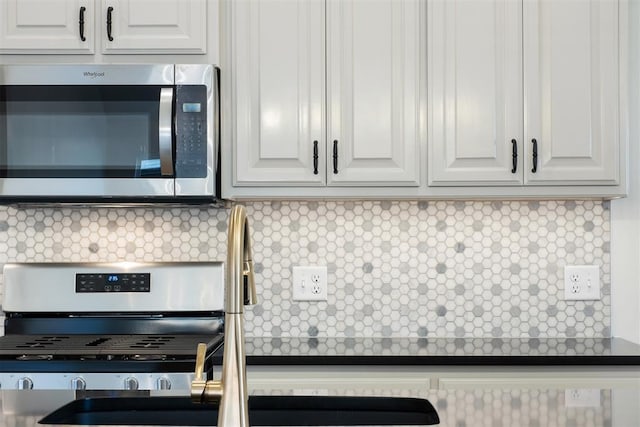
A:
[78,383]
[164,383]
[25,383]
[131,384]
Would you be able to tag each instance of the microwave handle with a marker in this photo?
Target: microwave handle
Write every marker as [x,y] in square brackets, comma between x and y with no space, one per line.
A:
[164,131]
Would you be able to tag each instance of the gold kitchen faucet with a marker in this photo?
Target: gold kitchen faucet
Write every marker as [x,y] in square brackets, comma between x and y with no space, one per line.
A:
[240,290]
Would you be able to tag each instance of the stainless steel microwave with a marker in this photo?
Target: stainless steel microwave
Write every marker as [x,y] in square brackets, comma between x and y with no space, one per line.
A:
[95,133]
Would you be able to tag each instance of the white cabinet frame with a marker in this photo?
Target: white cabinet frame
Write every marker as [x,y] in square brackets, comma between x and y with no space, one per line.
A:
[121,26]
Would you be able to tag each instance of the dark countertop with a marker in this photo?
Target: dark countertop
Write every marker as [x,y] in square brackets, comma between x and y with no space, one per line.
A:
[544,402]
[441,351]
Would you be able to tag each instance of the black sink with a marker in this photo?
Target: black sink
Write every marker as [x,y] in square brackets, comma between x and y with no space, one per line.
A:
[263,411]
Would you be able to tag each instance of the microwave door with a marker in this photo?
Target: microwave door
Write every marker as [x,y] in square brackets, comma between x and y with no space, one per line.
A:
[73,141]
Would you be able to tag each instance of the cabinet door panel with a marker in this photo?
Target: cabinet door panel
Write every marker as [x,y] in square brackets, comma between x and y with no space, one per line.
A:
[45,26]
[474,92]
[571,74]
[374,91]
[155,26]
[278,84]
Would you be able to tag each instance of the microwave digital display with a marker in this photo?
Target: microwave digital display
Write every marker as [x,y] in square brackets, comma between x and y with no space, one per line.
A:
[191,107]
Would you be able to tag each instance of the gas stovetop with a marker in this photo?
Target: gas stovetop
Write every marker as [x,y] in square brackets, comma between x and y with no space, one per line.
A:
[105,347]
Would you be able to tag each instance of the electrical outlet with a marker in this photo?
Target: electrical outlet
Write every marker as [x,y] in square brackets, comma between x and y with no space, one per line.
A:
[581,282]
[310,283]
[582,397]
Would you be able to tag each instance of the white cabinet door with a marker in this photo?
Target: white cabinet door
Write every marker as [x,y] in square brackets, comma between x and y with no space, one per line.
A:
[278,75]
[475,92]
[374,77]
[46,26]
[154,26]
[571,92]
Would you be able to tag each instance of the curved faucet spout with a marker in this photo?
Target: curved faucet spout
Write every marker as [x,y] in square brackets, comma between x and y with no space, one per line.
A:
[241,285]
[231,389]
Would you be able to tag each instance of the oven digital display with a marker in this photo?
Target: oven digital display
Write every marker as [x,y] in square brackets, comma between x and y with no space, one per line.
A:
[113,282]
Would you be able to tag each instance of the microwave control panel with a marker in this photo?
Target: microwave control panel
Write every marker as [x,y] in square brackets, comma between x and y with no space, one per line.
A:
[191,131]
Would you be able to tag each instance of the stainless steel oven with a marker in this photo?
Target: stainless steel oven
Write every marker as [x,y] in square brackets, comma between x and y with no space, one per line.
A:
[115,132]
[120,326]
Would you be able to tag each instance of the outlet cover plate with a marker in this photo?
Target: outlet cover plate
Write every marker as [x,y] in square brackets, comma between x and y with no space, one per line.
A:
[310,283]
[582,398]
[581,282]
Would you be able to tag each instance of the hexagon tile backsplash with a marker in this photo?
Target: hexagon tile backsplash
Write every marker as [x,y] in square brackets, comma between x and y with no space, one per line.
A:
[405,269]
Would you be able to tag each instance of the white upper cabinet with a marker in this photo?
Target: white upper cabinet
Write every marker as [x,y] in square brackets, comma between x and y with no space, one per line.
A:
[373,92]
[278,91]
[154,26]
[475,92]
[285,119]
[571,74]
[47,26]
[425,99]
[122,26]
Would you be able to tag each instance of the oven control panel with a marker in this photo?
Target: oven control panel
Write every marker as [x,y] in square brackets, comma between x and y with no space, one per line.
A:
[113,282]
[108,287]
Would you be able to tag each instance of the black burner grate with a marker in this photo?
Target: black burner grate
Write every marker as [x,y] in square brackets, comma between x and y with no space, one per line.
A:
[42,342]
[71,346]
